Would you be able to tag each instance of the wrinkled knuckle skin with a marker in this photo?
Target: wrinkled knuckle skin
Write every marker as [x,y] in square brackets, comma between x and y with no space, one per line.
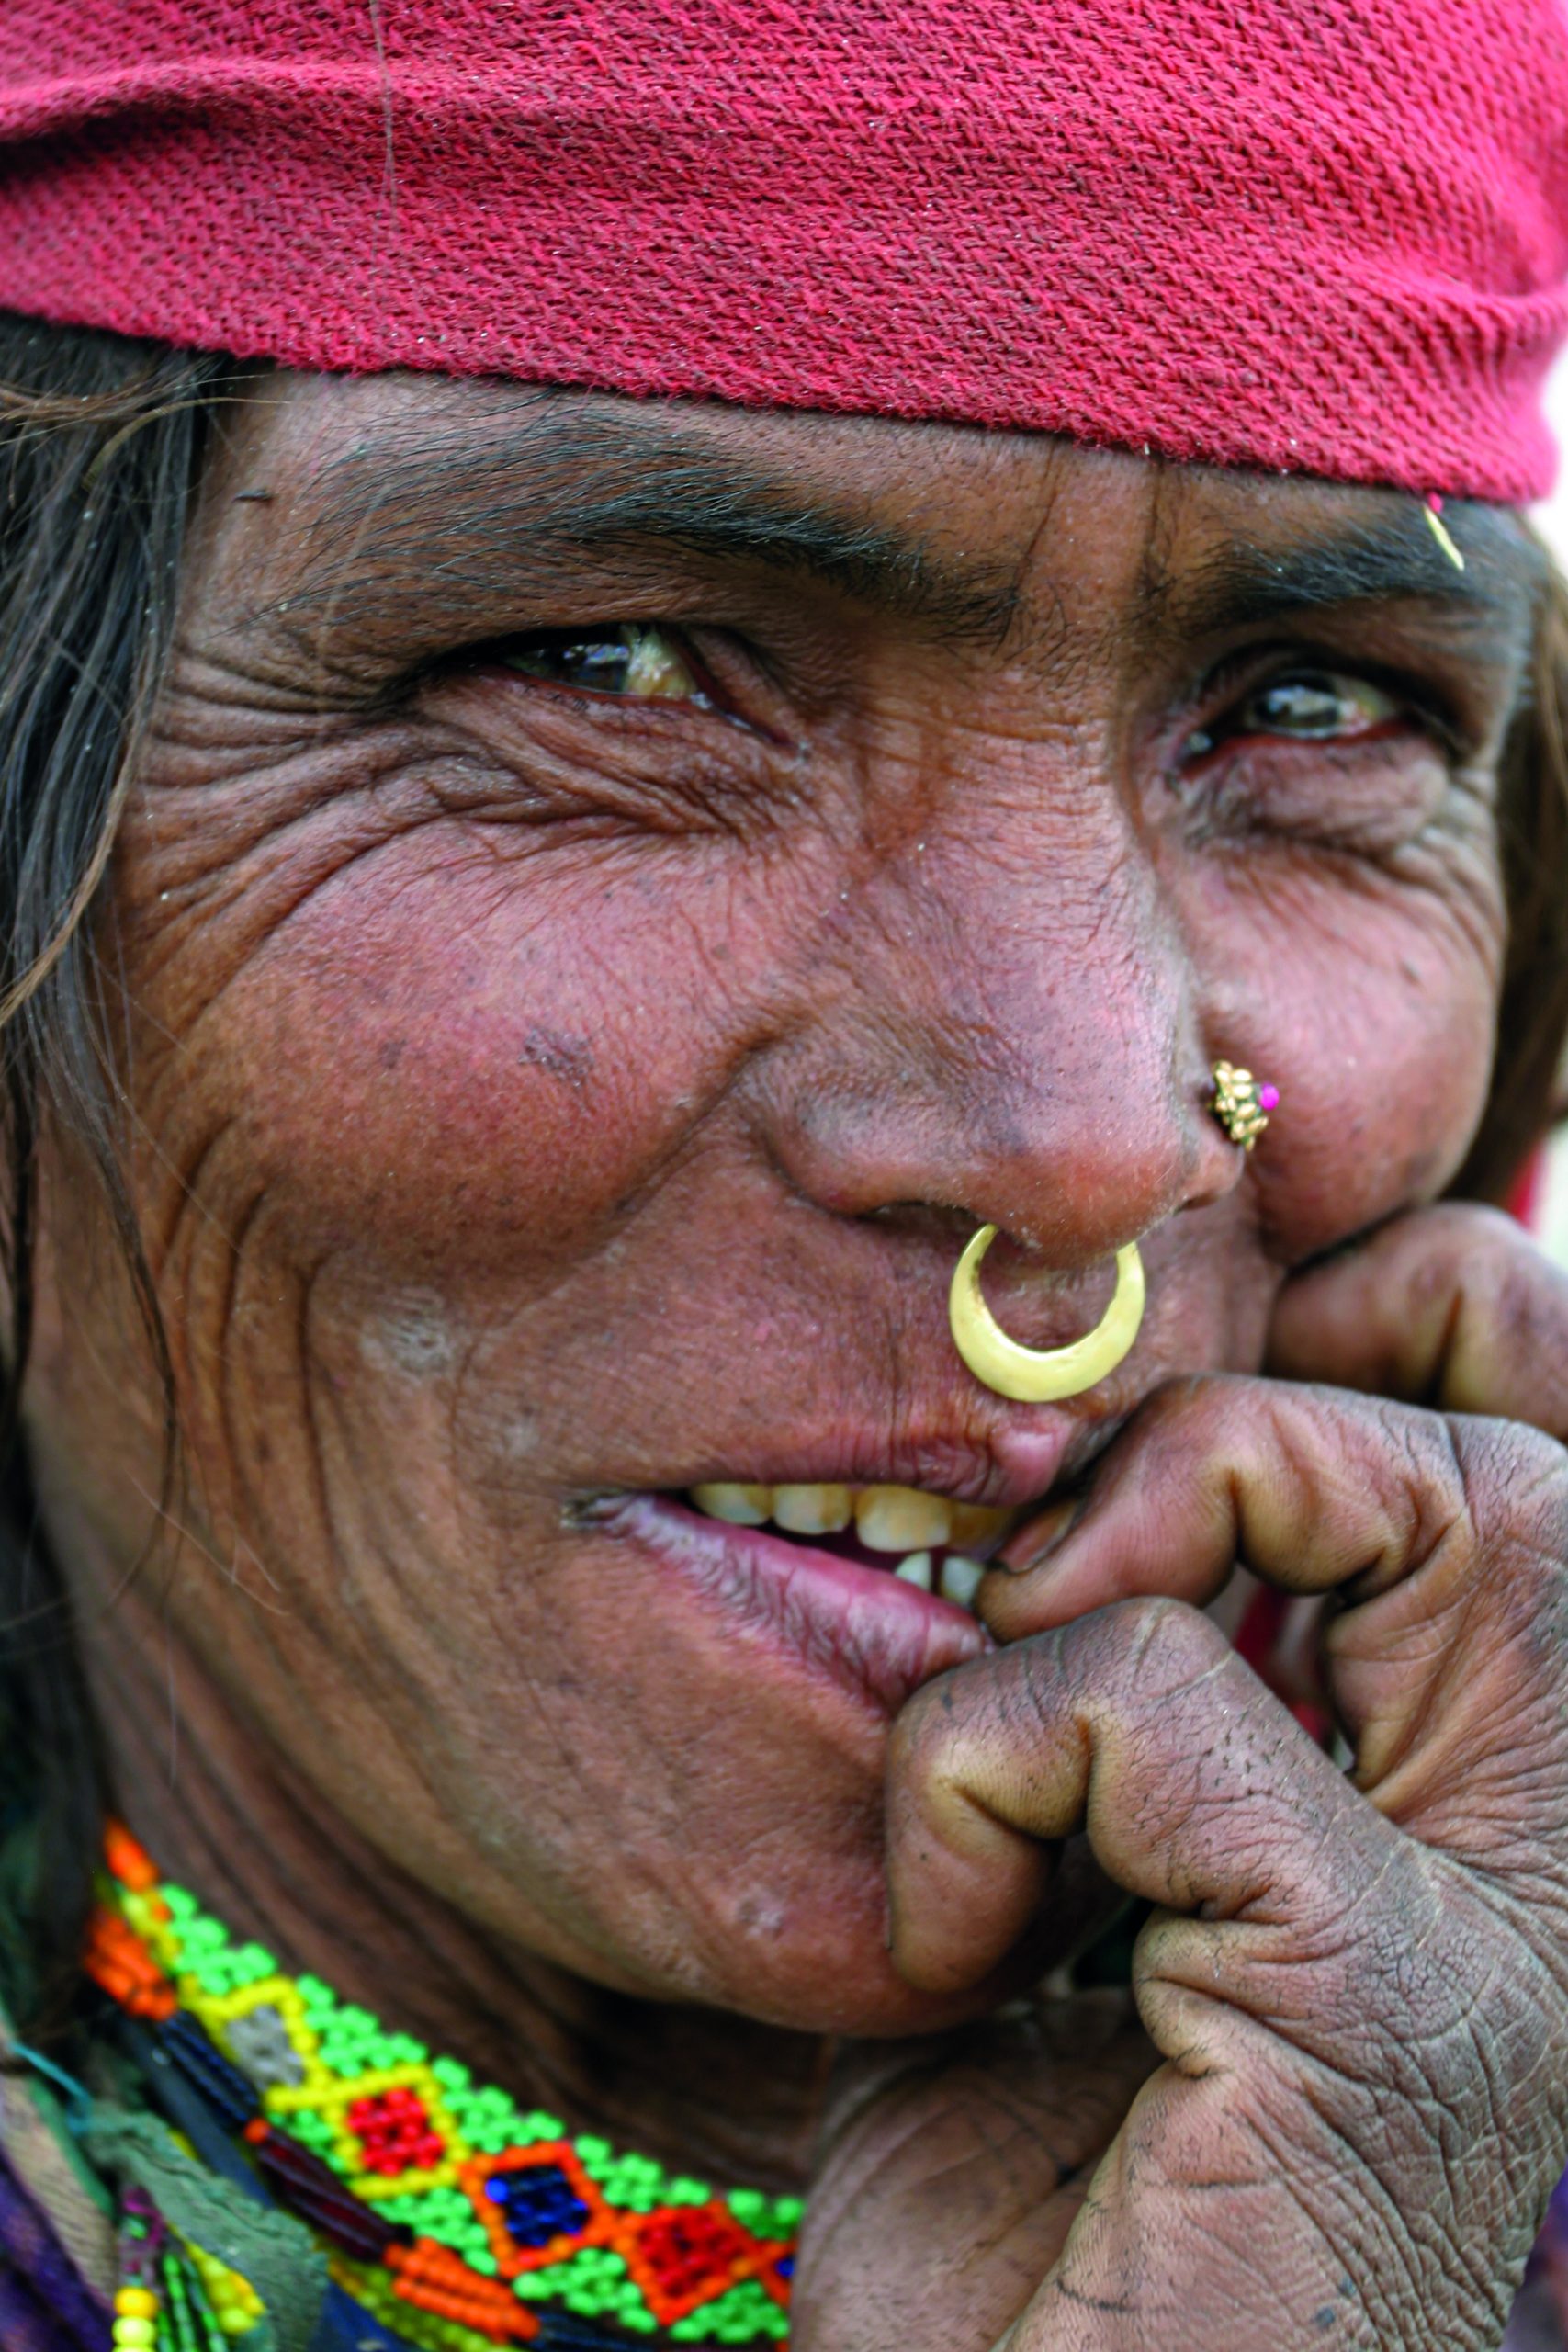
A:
[1149,1645]
[1516,1489]
[1516,1479]
[974,1701]
[1472,1234]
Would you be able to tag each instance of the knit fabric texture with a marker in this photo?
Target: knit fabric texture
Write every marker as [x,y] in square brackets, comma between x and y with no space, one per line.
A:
[1328,235]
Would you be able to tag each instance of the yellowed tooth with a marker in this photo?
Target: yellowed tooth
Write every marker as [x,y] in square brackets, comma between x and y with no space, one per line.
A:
[977,1524]
[961,1580]
[812,1510]
[916,1570]
[741,1506]
[901,1519]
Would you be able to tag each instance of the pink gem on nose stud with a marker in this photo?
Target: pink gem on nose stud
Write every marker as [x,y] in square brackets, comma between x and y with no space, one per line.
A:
[1240,1104]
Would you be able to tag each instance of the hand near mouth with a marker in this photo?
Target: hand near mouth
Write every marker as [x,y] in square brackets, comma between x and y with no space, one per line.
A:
[1357,1986]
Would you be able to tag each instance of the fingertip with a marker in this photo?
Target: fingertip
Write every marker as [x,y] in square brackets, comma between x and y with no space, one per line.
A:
[1012,1603]
[1030,1546]
[1086,1574]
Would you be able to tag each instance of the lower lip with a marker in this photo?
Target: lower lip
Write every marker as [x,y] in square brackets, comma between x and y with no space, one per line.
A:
[863,1628]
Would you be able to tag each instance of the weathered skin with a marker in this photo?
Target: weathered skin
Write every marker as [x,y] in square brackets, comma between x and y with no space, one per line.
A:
[1356,1991]
[539,1099]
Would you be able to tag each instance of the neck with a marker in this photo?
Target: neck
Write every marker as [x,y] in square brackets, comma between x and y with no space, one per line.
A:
[225,1815]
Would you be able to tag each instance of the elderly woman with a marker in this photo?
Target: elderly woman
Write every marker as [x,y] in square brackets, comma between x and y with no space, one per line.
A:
[666,678]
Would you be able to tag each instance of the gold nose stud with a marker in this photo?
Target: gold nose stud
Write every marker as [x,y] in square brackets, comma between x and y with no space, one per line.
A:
[1241,1104]
[1045,1375]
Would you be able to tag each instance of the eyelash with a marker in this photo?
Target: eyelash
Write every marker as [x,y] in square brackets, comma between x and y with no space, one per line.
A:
[1247,674]
[634,642]
[1253,671]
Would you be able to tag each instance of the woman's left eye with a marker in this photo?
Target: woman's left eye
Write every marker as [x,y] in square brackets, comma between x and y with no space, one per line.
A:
[634,659]
[1304,707]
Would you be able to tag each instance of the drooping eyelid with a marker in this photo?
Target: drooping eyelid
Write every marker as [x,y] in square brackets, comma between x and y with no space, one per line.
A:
[490,653]
[1247,670]
[719,701]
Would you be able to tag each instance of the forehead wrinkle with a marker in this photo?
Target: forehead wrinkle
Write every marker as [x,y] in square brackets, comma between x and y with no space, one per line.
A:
[457,520]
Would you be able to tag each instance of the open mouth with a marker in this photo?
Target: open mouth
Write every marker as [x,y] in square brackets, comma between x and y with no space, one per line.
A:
[925,1540]
[873,1584]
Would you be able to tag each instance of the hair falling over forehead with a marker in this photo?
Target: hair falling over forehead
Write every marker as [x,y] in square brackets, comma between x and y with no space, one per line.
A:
[102,441]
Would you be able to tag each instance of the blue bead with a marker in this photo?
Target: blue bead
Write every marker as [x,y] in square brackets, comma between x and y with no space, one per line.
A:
[539,2203]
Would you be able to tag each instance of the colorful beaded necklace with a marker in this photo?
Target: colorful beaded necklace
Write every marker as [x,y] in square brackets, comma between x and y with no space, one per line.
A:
[454,2218]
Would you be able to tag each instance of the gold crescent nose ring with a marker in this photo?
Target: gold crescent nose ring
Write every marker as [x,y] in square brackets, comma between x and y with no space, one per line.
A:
[1042,1375]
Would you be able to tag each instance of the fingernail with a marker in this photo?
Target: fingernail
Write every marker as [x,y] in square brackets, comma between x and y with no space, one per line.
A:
[1034,1545]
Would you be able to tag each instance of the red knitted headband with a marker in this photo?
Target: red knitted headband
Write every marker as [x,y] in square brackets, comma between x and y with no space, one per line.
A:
[1326,234]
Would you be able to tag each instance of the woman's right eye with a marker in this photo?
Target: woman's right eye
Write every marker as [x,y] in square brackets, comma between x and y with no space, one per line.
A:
[634,659]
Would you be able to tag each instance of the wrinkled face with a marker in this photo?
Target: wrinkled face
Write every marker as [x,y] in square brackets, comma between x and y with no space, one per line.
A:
[615,894]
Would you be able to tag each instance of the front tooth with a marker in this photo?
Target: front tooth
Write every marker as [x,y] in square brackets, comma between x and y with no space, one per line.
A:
[977,1524]
[813,1510]
[901,1519]
[961,1580]
[916,1570]
[741,1506]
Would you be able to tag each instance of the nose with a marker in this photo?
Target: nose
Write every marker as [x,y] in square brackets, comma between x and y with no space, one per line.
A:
[1023,1045]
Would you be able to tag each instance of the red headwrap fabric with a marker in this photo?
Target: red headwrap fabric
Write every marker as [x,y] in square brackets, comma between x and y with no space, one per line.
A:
[1319,235]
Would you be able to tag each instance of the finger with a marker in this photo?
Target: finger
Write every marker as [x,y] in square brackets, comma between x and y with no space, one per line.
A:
[1451,1307]
[1450,1537]
[1139,1726]
[1308,1488]
[1346,2017]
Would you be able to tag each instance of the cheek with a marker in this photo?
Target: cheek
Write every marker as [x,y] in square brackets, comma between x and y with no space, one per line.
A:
[1372,1005]
[453,1056]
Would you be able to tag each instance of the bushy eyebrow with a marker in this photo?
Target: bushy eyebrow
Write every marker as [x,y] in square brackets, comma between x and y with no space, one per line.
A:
[449,513]
[461,513]
[1388,556]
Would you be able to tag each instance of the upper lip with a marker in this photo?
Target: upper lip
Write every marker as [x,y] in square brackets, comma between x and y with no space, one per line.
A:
[1005,1468]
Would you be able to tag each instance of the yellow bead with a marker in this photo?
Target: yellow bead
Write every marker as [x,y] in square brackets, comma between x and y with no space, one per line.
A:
[136,2303]
[134,2334]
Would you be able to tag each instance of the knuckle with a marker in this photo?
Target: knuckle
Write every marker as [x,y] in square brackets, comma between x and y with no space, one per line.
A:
[1162,1645]
[1516,1483]
[1472,1228]
[1507,1464]
[922,1731]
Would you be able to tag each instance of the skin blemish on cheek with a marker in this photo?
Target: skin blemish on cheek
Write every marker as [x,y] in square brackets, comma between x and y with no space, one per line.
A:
[514,1441]
[564,1056]
[412,1335]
